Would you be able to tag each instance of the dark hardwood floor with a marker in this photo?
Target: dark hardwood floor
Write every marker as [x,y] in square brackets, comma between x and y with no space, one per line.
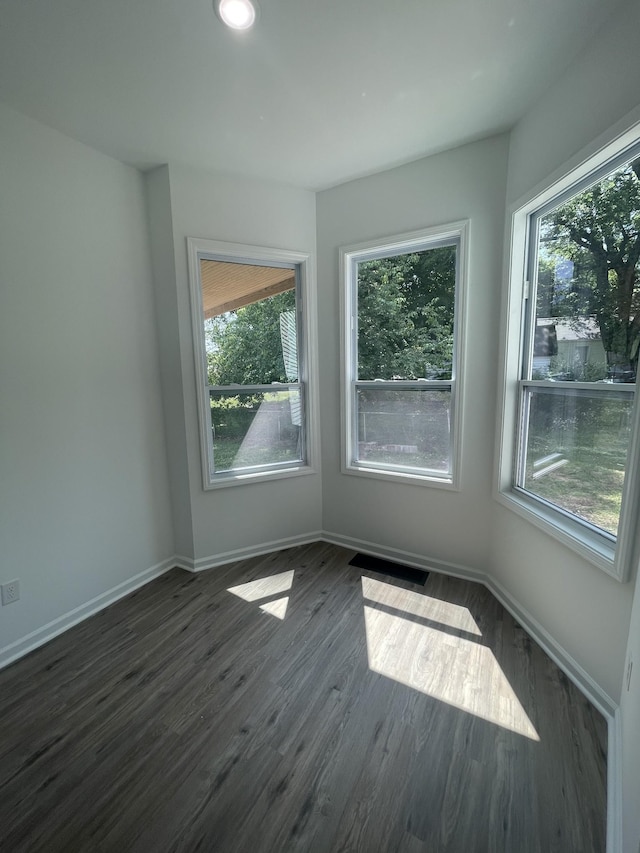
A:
[375,716]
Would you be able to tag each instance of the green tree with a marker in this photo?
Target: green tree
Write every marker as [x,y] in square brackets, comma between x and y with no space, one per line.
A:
[244,347]
[405,315]
[598,230]
[405,325]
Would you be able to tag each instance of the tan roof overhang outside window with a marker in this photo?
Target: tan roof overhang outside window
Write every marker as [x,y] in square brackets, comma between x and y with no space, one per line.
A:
[229,286]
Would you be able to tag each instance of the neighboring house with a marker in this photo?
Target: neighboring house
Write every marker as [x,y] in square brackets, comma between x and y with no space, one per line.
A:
[572,343]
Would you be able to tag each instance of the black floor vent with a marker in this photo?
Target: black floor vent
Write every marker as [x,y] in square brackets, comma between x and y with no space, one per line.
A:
[386,567]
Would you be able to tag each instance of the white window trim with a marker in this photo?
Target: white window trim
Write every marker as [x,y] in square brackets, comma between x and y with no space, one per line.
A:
[388,247]
[217,250]
[620,559]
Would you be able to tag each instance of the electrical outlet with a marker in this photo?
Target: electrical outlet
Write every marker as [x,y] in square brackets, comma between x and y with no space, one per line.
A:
[10,592]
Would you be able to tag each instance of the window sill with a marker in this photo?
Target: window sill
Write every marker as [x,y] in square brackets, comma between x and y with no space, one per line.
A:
[592,547]
[223,481]
[401,477]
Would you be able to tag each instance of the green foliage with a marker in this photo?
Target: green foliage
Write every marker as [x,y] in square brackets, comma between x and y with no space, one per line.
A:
[405,311]
[253,429]
[223,403]
[561,368]
[598,231]
[405,315]
[244,346]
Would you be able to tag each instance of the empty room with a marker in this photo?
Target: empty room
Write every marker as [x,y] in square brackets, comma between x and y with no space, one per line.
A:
[319,446]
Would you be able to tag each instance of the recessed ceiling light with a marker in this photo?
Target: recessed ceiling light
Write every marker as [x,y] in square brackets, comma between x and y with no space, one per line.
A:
[237,14]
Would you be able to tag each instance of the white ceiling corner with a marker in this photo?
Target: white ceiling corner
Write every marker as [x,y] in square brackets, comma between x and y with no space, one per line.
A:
[318,93]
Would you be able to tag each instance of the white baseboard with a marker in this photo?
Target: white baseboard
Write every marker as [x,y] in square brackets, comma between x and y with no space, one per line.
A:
[416,561]
[215,560]
[614,784]
[580,677]
[47,632]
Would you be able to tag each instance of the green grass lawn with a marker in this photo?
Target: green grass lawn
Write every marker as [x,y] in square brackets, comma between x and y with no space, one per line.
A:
[229,454]
[576,454]
[588,485]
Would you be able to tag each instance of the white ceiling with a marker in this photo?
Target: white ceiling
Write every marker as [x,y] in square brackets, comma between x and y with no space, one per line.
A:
[319,92]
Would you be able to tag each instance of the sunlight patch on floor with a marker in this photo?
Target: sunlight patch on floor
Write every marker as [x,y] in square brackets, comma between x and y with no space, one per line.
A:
[419,604]
[276,608]
[263,587]
[267,587]
[457,670]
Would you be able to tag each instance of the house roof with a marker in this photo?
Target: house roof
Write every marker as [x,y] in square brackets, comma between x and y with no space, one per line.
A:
[584,329]
[229,286]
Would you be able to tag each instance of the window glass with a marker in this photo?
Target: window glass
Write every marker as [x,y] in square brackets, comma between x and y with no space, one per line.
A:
[576,451]
[255,345]
[254,393]
[405,315]
[401,359]
[261,428]
[405,428]
[581,354]
[587,299]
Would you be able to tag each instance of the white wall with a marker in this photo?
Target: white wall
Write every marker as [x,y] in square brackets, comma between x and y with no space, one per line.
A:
[582,608]
[84,496]
[239,210]
[630,722]
[84,503]
[597,90]
[158,191]
[466,183]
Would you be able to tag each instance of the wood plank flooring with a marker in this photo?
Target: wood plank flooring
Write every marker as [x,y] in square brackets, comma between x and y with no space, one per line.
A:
[295,703]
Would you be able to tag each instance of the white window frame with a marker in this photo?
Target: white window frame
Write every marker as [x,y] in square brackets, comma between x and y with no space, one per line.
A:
[617,556]
[455,233]
[198,249]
